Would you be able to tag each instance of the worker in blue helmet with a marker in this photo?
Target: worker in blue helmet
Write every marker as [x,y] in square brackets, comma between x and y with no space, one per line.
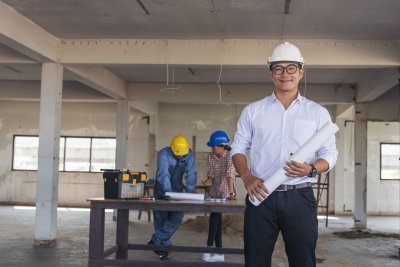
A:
[221,173]
[218,138]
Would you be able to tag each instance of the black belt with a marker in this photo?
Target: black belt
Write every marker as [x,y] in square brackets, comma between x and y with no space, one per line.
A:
[286,187]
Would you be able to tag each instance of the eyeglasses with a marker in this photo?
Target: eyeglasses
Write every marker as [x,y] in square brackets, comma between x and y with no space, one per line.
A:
[290,69]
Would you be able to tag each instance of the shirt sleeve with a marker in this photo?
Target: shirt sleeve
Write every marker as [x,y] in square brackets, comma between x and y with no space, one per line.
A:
[328,151]
[191,173]
[209,167]
[231,171]
[163,176]
[242,139]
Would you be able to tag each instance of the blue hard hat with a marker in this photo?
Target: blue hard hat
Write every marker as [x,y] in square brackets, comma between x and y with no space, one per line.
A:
[218,138]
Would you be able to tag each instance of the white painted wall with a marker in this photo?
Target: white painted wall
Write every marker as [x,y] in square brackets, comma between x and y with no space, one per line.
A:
[98,119]
[386,107]
[383,196]
[200,121]
[195,120]
[344,169]
[78,119]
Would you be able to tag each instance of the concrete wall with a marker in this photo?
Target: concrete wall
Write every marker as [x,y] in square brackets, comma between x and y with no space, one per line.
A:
[344,178]
[195,120]
[78,119]
[386,107]
[383,196]
[199,121]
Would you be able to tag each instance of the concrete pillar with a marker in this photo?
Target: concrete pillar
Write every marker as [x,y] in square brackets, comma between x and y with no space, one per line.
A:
[49,143]
[122,134]
[360,177]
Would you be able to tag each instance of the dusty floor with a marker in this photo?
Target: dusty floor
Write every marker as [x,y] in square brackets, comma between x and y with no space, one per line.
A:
[17,225]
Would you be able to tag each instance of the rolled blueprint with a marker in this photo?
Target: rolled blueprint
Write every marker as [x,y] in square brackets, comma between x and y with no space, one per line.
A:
[185,196]
[307,150]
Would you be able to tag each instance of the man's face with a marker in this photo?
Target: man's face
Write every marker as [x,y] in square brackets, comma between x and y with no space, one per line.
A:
[286,76]
[178,157]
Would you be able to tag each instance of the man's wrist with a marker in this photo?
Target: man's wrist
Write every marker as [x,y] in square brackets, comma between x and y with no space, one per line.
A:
[245,176]
[313,172]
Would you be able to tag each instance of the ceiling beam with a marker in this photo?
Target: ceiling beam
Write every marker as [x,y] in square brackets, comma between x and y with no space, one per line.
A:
[377,83]
[26,37]
[250,52]
[233,93]
[345,111]
[10,56]
[147,107]
[30,91]
[100,79]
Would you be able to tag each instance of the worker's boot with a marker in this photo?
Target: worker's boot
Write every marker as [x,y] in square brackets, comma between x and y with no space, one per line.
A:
[151,242]
[164,255]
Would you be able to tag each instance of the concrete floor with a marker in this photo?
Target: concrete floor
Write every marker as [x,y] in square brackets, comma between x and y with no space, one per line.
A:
[17,226]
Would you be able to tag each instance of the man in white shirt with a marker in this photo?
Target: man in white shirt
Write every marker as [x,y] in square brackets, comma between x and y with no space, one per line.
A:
[273,129]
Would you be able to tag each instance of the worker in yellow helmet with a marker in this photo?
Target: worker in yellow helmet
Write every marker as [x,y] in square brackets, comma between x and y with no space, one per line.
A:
[173,163]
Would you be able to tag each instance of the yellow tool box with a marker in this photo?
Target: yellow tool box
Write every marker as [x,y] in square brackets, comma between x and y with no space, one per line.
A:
[123,184]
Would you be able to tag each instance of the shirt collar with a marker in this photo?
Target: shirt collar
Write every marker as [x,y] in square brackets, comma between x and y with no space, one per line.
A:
[223,155]
[272,98]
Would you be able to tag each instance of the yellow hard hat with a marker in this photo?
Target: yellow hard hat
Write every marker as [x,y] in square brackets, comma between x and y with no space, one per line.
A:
[179,146]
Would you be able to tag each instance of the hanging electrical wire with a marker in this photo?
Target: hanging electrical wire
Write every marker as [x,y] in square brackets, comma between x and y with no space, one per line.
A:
[283,27]
[169,89]
[220,88]
[305,83]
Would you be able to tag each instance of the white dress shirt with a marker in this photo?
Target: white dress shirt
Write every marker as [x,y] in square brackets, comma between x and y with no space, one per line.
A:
[272,134]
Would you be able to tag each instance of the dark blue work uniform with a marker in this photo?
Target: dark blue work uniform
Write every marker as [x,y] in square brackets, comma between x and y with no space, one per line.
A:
[169,178]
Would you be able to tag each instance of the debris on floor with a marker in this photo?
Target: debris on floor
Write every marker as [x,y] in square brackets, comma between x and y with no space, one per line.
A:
[364,234]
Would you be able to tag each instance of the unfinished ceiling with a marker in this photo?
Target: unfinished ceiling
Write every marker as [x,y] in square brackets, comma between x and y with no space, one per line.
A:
[214,19]
[166,44]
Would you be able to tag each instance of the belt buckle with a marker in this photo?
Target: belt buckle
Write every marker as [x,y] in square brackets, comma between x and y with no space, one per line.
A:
[283,189]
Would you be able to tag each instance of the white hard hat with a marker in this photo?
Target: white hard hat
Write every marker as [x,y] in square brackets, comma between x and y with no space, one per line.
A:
[285,52]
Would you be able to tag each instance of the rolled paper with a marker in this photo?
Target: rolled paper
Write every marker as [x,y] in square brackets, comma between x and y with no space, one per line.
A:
[307,150]
[185,196]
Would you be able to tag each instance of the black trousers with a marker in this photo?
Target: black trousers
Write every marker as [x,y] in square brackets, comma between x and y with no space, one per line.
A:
[215,230]
[294,213]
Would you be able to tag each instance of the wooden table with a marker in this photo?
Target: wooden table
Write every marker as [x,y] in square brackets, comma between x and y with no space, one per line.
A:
[97,254]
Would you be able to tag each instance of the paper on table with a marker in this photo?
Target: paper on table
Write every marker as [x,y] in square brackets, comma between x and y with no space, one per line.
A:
[185,196]
[305,151]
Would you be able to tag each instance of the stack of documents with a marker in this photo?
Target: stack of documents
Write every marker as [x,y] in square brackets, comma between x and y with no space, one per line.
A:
[185,196]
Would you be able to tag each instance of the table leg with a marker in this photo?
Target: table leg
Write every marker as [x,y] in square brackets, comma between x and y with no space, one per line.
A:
[96,235]
[122,234]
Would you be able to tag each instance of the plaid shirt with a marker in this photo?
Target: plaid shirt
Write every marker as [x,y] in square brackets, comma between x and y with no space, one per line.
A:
[220,170]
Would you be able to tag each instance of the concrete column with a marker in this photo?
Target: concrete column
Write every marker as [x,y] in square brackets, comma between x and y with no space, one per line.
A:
[49,143]
[122,133]
[360,177]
